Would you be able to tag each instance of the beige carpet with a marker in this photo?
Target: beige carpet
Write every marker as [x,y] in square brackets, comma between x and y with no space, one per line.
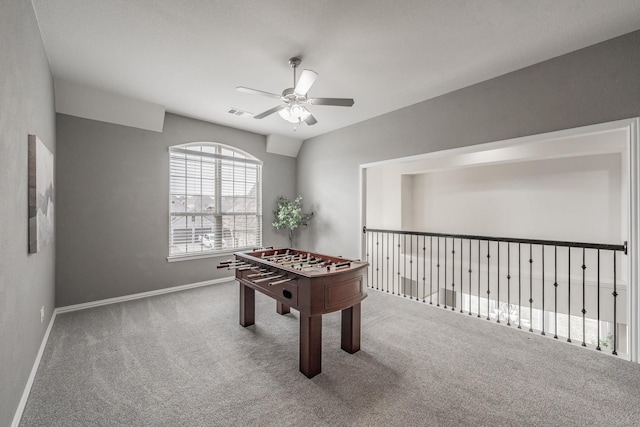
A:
[181,359]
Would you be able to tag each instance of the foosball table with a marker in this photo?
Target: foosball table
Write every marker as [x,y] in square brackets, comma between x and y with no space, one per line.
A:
[311,283]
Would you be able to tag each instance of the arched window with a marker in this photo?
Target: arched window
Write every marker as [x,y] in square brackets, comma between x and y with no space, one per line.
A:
[215,199]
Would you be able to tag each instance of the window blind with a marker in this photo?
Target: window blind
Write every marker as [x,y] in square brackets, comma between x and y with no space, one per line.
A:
[215,199]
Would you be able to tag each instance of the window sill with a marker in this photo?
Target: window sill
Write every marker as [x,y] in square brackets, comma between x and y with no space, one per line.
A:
[189,257]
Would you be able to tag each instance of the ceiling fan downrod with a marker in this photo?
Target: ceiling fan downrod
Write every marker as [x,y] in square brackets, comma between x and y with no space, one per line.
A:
[294,62]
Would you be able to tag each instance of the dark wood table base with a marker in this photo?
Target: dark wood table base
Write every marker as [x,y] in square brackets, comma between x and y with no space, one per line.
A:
[310,330]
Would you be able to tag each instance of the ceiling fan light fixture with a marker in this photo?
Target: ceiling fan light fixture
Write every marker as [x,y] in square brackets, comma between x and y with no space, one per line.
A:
[294,113]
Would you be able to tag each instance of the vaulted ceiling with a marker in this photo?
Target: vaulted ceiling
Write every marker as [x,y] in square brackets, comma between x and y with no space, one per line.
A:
[189,56]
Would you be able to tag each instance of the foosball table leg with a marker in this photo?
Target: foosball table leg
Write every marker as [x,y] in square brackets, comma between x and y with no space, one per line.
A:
[310,345]
[247,305]
[282,308]
[350,339]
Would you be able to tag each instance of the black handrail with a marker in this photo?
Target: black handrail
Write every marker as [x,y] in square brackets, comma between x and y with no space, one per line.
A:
[603,246]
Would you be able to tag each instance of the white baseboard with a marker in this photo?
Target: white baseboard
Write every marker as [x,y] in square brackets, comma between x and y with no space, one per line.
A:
[27,389]
[131,297]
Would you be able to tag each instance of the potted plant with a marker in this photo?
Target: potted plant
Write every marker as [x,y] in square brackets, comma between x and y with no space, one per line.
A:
[289,216]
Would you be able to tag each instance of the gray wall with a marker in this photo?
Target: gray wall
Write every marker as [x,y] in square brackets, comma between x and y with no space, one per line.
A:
[597,84]
[26,281]
[113,198]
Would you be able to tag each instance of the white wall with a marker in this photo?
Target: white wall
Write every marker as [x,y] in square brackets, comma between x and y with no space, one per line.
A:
[384,199]
[574,199]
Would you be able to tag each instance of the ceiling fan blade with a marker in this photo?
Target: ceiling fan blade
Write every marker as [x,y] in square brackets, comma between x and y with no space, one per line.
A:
[257,92]
[310,120]
[307,78]
[268,112]
[339,102]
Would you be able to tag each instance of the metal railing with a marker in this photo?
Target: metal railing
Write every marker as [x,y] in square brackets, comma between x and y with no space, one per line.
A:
[570,289]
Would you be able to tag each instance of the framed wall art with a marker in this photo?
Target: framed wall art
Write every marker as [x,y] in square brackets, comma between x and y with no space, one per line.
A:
[41,195]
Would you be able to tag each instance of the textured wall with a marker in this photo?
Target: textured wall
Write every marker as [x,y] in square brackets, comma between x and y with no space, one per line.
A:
[113,198]
[26,280]
[597,84]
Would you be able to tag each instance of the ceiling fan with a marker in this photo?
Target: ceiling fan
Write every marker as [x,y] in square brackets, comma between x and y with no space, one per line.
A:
[293,109]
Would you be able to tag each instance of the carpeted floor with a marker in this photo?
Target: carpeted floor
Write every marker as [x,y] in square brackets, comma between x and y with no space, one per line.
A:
[182,359]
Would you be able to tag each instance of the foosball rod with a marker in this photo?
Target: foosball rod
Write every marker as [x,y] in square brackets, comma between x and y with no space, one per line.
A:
[276,258]
[266,279]
[235,266]
[224,265]
[299,259]
[314,262]
[261,273]
[278,282]
[284,260]
[275,254]
[227,263]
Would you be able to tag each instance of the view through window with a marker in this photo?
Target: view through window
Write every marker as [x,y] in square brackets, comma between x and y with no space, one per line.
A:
[215,199]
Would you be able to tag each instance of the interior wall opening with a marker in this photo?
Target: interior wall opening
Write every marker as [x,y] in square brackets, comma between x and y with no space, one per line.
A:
[574,186]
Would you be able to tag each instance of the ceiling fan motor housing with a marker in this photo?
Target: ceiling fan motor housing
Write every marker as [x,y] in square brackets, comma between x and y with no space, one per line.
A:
[288,95]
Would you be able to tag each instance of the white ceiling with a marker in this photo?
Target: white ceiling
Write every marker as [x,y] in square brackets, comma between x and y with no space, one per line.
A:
[190,55]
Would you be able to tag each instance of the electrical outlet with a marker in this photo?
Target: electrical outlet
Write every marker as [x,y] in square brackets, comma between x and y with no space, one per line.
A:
[42,314]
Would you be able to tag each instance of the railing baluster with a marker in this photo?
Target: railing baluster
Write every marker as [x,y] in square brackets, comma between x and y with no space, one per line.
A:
[438,276]
[488,278]
[508,284]
[393,264]
[404,269]
[461,282]
[410,267]
[376,259]
[569,296]
[479,278]
[498,280]
[584,311]
[543,312]
[431,270]
[399,260]
[530,289]
[417,263]
[366,246]
[388,263]
[615,306]
[445,272]
[453,274]
[417,268]
[598,303]
[424,267]
[469,277]
[555,286]
[519,287]
[380,263]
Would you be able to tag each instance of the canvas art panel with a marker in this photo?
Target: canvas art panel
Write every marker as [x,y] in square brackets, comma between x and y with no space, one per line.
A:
[40,195]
